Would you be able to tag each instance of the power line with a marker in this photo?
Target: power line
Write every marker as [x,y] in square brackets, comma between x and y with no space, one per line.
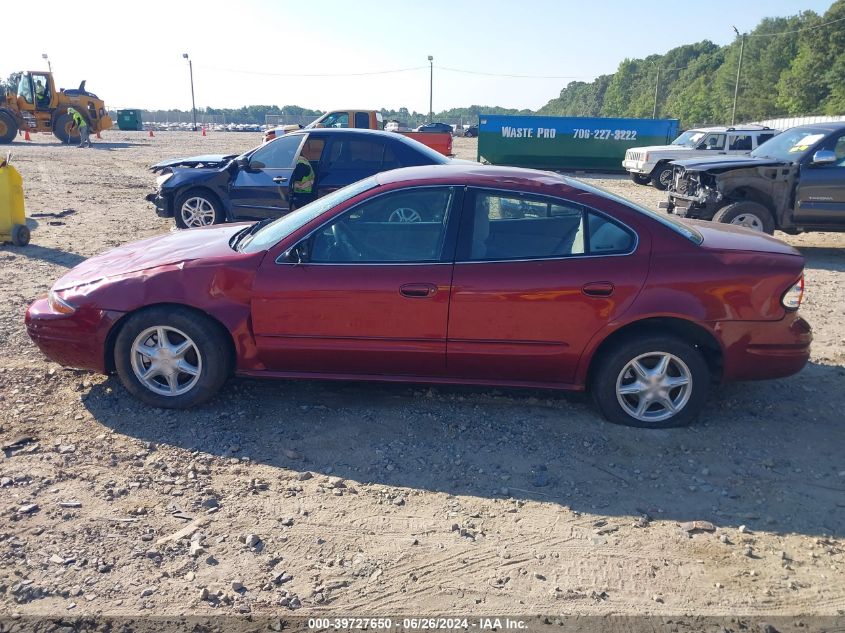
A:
[807,28]
[478,72]
[359,74]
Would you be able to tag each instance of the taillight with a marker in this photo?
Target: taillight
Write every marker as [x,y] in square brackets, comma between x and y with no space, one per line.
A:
[793,297]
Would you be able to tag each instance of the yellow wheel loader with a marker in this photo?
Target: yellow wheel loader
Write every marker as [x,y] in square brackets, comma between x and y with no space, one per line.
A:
[37,106]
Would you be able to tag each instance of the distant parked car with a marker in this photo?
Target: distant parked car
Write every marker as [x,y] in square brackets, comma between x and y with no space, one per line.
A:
[471,131]
[654,163]
[794,182]
[203,190]
[435,127]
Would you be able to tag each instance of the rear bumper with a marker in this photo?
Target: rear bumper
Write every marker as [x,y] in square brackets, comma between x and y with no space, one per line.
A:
[72,340]
[766,349]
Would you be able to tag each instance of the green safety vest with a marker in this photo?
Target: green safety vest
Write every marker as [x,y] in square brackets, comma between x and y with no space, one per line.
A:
[306,183]
[77,118]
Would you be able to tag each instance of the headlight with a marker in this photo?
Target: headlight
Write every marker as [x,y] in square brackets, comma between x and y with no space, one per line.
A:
[57,304]
[163,179]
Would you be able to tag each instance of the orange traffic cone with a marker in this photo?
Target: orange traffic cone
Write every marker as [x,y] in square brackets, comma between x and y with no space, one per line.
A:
[151,133]
[203,131]
[26,135]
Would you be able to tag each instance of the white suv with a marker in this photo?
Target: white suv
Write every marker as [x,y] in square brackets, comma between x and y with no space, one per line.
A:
[654,163]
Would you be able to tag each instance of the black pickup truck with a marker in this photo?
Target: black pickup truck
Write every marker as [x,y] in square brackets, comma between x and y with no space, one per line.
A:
[795,183]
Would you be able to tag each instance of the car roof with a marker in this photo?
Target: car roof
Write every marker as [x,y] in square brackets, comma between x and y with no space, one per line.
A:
[330,131]
[493,176]
[830,126]
[733,128]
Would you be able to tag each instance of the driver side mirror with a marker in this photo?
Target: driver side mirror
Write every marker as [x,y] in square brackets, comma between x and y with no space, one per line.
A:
[824,157]
[243,163]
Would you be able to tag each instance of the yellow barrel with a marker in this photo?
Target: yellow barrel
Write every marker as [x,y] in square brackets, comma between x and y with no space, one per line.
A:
[12,216]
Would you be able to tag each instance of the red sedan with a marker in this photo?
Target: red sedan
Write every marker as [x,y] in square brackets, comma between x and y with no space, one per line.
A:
[457,274]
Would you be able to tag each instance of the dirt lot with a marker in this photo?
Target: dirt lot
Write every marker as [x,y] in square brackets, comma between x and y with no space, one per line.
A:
[385,499]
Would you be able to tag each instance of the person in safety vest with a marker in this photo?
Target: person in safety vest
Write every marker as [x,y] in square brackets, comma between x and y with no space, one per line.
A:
[40,93]
[303,182]
[80,122]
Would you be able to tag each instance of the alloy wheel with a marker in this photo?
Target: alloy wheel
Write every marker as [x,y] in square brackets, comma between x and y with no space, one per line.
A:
[654,386]
[197,212]
[749,221]
[166,361]
[404,214]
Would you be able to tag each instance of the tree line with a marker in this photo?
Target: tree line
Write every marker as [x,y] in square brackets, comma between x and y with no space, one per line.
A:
[790,66]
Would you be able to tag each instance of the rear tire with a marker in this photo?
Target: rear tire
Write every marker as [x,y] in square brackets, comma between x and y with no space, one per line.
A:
[62,129]
[661,177]
[197,208]
[749,214]
[640,179]
[670,398]
[152,368]
[8,128]
[20,235]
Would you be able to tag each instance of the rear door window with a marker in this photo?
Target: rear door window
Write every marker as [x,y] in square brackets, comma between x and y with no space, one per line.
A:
[362,120]
[504,226]
[740,143]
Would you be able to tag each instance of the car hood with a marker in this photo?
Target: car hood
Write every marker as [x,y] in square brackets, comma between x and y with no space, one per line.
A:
[718,164]
[727,237]
[207,161]
[661,148]
[172,249]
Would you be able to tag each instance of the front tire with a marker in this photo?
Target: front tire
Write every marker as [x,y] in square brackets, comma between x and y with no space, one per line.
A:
[661,177]
[197,208]
[172,357]
[64,130]
[8,128]
[640,179]
[652,382]
[751,215]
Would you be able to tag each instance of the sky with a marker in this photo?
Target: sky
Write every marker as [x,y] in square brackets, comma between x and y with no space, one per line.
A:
[131,55]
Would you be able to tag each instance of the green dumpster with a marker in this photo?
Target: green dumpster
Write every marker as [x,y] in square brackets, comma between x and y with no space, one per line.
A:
[551,142]
[129,120]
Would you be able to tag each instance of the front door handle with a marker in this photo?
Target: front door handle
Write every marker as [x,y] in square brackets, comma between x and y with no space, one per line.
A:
[418,291]
[280,179]
[598,289]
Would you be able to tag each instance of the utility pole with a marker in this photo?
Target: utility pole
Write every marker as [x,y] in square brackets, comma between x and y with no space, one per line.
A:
[656,88]
[193,103]
[431,90]
[738,71]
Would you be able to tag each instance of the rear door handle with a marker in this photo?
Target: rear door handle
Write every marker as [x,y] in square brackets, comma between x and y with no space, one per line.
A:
[280,179]
[418,291]
[598,289]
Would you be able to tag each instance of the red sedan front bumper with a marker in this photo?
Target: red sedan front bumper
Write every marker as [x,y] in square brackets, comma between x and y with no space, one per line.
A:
[765,349]
[72,340]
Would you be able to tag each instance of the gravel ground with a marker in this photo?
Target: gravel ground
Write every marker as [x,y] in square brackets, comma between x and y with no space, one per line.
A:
[386,499]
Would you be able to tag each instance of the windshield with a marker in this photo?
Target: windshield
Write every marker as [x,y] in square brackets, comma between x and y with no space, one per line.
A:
[790,145]
[287,224]
[690,138]
[678,226]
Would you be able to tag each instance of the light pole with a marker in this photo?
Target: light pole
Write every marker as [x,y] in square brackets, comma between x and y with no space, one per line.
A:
[193,103]
[656,88]
[431,89]
[49,65]
[738,71]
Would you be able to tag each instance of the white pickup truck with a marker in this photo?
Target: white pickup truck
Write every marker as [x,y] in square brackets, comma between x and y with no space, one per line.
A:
[653,164]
